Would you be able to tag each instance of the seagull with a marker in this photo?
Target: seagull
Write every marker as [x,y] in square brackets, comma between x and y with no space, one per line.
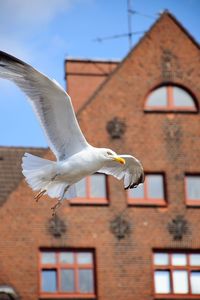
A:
[75,157]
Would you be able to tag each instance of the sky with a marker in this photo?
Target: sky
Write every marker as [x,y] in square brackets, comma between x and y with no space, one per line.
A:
[45,32]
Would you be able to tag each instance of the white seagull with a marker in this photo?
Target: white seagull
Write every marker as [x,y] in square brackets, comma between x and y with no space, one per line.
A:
[75,157]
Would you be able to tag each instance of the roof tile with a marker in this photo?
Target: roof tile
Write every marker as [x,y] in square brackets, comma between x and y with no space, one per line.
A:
[10,168]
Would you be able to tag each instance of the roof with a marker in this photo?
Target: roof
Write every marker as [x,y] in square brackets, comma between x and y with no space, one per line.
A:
[10,168]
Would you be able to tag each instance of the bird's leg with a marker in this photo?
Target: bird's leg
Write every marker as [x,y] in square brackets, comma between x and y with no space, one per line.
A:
[59,202]
[54,177]
[41,193]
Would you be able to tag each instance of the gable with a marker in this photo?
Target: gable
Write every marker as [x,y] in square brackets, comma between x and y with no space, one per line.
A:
[166,40]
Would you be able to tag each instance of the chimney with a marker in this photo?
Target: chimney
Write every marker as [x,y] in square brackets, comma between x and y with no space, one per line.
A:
[84,76]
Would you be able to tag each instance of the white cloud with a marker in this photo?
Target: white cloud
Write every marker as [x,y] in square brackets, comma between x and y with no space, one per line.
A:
[27,31]
[23,24]
[31,13]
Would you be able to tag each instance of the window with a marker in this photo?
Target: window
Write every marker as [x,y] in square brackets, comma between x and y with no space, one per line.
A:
[91,190]
[151,192]
[176,273]
[170,98]
[192,189]
[66,273]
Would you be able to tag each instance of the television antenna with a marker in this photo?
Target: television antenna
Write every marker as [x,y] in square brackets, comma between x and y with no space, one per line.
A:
[130,33]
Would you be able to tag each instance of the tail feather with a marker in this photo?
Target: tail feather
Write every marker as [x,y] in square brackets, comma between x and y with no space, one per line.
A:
[32,162]
[39,172]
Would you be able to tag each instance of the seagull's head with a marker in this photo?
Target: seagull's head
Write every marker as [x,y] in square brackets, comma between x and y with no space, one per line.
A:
[109,154]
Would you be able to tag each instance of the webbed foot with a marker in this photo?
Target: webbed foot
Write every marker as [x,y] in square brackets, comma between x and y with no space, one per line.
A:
[55,207]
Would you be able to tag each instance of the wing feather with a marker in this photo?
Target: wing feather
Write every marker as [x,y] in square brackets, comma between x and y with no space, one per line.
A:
[51,104]
[132,172]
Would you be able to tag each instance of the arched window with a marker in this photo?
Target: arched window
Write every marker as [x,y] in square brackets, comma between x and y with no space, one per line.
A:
[170,98]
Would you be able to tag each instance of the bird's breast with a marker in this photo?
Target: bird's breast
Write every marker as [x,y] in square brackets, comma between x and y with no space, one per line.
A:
[78,166]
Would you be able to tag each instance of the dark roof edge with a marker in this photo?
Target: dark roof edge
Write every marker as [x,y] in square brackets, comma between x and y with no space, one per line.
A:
[166,12]
[182,28]
[88,61]
[91,60]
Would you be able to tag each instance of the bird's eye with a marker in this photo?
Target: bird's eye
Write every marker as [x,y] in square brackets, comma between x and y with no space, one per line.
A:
[109,153]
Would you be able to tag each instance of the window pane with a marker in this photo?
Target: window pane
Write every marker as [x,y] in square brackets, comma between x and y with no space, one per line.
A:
[67,280]
[161,259]
[84,258]
[86,282]
[155,186]
[193,187]
[49,281]
[158,97]
[179,259]
[98,186]
[162,282]
[195,282]
[195,259]
[81,188]
[48,258]
[180,282]
[182,98]
[66,257]
[137,193]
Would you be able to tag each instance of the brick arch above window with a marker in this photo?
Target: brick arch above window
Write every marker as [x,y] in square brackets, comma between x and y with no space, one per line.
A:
[170,97]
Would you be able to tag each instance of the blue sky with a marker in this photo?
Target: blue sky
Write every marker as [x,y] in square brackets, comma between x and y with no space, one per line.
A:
[45,32]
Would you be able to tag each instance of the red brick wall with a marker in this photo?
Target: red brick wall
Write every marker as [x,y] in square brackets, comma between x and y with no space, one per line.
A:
[148,138]
[124,268]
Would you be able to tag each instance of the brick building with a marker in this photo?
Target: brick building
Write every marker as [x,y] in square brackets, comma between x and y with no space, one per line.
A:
[110,244]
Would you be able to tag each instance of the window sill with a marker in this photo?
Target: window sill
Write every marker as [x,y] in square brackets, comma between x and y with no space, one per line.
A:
[159,110]
[137,202]
[90,202]
[176,296]
[193,203]
[68,297]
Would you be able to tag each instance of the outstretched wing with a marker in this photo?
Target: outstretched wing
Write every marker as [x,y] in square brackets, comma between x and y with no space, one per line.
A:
[132,171]
[51,104]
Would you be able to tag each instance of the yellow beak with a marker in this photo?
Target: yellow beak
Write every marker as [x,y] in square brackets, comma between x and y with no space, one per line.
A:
[120,160]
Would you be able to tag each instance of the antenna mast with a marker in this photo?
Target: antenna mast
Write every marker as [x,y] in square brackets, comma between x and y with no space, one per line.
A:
[129,10]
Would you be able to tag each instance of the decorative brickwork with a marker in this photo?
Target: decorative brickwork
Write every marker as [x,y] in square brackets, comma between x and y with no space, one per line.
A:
[116,128]
[56,226]
[120,227]
[178,227]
